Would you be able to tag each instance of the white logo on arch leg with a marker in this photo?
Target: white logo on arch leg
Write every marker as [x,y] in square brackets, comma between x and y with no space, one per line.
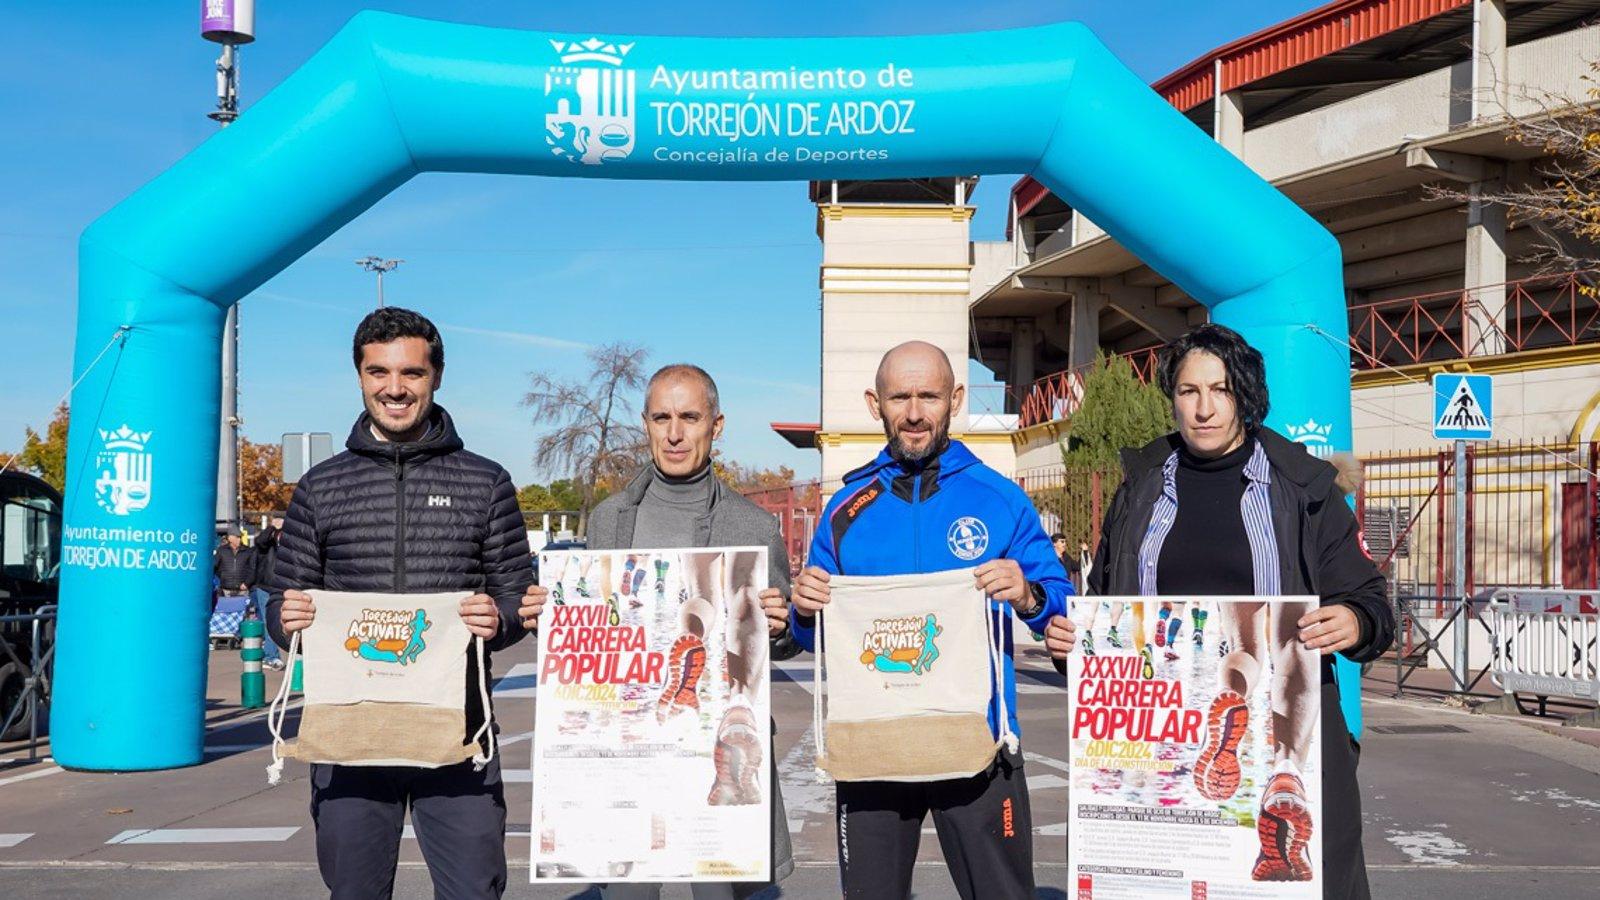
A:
[123,471]
[1314,436]
[968,537]
[593,121]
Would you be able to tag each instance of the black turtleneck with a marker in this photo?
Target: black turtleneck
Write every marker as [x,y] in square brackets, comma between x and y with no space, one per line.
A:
[1208,552]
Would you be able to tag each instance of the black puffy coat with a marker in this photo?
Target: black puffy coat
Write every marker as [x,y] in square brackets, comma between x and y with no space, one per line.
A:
[411,518]
[266,549]
[234,567]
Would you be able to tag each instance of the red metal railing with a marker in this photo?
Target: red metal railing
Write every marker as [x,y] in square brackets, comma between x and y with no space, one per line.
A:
[1544,311]
[1057,396]
[797,507]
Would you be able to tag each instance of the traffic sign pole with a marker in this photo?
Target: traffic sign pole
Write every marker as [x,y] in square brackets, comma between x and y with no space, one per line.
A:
[1464,613]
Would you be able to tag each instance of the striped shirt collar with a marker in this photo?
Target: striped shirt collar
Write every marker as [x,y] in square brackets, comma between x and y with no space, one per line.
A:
[1258,469]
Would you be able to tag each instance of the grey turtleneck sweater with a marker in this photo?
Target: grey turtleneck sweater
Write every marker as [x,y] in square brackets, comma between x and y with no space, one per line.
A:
[670,507]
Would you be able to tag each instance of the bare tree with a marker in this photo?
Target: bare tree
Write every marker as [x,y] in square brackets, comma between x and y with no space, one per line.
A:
[593,436]
[1560,198]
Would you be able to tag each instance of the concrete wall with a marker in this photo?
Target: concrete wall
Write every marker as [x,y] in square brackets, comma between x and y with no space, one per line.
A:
[1426,106]
[991,262]
[1039,448]
[890,273]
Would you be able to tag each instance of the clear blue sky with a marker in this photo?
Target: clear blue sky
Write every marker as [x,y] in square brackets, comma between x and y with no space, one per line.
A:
[98,97]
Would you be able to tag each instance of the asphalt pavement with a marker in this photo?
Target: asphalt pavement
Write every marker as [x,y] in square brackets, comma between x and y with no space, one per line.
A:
[1456,805]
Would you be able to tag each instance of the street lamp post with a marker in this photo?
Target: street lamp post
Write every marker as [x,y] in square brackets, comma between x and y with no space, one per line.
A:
[231,25]
[379,265]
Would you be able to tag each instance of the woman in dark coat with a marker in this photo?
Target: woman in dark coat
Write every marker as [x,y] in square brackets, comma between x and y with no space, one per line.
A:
[1226,506]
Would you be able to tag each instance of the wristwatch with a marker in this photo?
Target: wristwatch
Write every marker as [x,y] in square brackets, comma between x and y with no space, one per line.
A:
[1039,600]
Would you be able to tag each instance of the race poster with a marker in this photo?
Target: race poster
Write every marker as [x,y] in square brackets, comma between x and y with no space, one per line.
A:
[1196,763]
[652,744]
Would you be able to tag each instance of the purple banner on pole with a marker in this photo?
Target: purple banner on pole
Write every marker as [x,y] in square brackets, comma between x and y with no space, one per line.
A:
[216,15]
[228,21]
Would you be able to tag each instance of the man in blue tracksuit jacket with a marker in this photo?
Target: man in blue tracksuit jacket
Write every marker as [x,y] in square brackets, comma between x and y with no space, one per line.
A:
[926,504]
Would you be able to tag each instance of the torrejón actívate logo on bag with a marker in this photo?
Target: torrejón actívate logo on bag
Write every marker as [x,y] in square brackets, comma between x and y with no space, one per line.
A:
[388,635]
[902,644]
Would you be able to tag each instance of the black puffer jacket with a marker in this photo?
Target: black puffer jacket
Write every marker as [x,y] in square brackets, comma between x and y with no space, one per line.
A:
[234,567]
[409,518]
[266,549]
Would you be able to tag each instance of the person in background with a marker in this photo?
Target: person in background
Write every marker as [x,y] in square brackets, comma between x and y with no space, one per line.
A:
[234,565]
[1070,559]
[266,550]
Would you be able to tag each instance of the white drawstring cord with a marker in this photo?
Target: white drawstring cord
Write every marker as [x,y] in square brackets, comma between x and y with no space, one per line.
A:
[999,681]
[480,760]
[280,707]
[818,725]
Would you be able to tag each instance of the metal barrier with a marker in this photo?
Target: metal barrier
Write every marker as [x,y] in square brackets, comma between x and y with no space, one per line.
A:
[1415,641]
[1546,643]
[36,685]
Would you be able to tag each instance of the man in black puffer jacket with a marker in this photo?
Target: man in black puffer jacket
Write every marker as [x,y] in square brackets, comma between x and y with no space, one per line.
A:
[406,510]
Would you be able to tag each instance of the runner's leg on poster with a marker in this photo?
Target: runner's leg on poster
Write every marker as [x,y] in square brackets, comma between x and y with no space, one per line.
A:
[1243,626]
[1143,612]
[1284,825]
[1295,678]
[703,580]
[1112,637]
[1217,773]
[1174,623]
[1091,606]
[745,631]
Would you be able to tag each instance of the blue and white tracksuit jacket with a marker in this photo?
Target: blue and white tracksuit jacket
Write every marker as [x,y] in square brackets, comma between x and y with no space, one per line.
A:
[954,512]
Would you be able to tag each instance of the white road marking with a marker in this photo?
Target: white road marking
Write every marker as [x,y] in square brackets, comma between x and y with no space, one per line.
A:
[11,840]
[1050,761]
[53,770]
[1046,782]
[1431,848]
[514,739]
[204,835]
[521,681]
[235,748]
[801,675]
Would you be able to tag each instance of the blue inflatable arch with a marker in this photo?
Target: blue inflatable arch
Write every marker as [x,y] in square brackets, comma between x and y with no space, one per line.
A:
[389,97]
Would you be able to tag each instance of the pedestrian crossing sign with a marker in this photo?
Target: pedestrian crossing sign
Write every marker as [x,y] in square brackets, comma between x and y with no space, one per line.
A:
[1463,407]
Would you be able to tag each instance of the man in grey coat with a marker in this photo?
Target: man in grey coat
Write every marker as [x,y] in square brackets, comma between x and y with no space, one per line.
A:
[678,501]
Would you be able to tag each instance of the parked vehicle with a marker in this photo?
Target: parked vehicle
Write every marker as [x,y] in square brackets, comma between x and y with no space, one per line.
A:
[30,578]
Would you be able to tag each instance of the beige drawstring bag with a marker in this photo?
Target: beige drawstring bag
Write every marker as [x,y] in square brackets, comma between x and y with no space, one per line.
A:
[383,679]
[910,666]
